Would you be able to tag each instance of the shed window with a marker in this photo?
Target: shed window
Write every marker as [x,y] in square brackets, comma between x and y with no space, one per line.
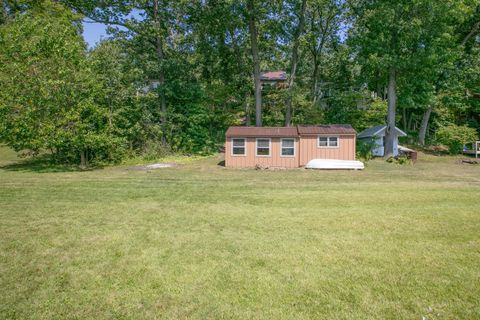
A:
[288,147]
[263,147]
[238,147]
[327,142]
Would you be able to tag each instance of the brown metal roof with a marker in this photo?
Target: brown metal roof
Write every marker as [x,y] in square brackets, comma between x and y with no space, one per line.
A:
[327,129]
[262,132]
[273,76]
[289,131]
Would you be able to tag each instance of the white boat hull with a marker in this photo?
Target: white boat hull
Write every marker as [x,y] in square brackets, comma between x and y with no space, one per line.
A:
[335,164]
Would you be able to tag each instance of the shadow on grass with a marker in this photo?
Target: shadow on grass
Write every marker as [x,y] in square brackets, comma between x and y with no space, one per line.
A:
[436,153]
[41,164]
[221,163]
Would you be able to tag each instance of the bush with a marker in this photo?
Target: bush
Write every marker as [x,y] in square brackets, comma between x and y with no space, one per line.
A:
[455,137]
[154,150]
[401,160]
[365,149]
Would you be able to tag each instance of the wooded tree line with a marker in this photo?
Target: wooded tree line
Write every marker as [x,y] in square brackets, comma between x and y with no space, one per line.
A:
[174,74]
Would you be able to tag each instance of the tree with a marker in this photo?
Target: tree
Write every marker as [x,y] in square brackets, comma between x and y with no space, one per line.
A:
[152,28]
[174,74]
[252,27]
[294,61]
[48,94]
[323,20]
[119,78]
[402,39]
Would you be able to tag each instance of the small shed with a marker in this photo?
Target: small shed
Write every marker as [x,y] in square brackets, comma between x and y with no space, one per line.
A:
[377,135]
[288,147]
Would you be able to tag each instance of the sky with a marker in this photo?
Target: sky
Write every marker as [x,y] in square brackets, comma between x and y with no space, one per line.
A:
[93,32]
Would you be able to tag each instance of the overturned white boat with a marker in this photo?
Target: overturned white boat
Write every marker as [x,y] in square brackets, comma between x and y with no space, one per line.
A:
[335,164]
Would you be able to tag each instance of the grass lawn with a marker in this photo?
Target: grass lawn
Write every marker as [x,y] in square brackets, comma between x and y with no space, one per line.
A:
[204,242]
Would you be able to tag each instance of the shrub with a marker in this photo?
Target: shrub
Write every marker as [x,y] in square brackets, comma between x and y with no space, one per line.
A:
[154,150]
[455,137]
[401,160]
[365,149]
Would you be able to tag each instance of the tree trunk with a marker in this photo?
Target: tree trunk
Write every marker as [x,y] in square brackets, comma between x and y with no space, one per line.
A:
[379,89]
[294,63]
[392,105]
[314,78]
[247,108]
[161,74]
[423,128]
[3,13]
[472,32]
[256,62]
[83,159]
[410,121]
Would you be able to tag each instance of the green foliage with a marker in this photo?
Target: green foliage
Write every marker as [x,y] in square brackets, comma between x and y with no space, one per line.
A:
[455,137]
[49,95]
[343,108]
[364,149]
[373,115]
[354,108]
[153,150]
[400,160]
[174,79]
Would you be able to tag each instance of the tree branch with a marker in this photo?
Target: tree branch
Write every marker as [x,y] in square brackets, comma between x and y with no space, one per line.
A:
[472,32]
[107,21]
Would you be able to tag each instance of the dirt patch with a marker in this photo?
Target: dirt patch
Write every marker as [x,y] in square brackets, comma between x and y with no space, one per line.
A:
[154,166]
[467,161]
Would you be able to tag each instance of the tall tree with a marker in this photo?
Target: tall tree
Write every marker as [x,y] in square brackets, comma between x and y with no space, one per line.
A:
[294,61]
[150,22]
[323,20]
[49,96]
[402,39]
[252,27]
[160,56]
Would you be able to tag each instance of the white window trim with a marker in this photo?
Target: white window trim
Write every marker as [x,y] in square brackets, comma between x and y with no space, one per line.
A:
[328,136]
[245,146]
[294,148]
[269,147]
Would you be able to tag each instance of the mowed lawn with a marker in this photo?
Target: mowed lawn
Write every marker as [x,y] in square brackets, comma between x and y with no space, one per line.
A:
[204,242]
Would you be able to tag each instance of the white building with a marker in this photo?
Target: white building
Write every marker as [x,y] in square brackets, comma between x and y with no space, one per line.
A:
[377,134]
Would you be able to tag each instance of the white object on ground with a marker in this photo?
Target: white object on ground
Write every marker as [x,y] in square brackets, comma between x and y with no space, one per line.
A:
[159,165]
[334,164]
[405,149]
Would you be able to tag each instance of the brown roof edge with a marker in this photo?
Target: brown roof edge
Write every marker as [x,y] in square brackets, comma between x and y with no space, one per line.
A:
[262,132]
[290,131]
[326,129]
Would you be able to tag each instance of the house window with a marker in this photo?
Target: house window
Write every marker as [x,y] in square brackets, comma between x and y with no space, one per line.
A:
[288,147]
[263,147]
[327,142]
[238,147]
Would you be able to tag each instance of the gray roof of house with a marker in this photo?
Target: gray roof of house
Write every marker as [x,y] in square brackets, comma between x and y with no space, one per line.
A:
[378,131]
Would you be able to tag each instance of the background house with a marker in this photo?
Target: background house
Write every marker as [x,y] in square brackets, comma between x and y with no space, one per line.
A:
[275,79]
[377,135]
[288,147]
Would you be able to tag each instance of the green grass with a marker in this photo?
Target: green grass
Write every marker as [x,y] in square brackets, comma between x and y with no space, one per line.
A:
[201,241]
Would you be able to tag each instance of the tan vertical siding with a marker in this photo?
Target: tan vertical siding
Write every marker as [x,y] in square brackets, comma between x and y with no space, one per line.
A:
[309,149]
[306,149]
[251,160]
